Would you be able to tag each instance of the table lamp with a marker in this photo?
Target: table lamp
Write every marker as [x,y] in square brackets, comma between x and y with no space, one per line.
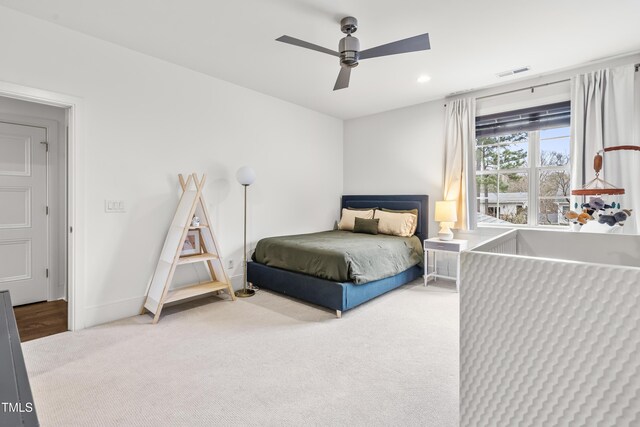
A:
[446,215]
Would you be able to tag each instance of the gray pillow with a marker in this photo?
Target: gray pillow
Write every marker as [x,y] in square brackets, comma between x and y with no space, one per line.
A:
[368,226]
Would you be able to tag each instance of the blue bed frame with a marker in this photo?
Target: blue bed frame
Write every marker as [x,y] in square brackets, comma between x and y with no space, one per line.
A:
[343,296]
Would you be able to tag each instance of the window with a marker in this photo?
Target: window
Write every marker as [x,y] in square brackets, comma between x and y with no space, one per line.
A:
[523,166]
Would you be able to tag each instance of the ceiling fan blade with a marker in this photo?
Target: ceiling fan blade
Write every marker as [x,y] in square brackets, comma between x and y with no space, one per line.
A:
[412,44]
[306,45]
[342,81]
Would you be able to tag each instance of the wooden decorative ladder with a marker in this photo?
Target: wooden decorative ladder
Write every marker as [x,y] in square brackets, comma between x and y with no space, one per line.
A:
[159,293]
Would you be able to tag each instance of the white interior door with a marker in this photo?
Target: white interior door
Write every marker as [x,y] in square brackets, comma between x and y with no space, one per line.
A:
[23,215]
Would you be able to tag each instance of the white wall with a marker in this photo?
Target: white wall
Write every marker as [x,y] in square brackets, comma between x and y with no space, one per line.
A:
[397,152]
[402,151]
[147,120]
[541,95]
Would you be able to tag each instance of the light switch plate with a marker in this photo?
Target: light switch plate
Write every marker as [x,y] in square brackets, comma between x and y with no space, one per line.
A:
[114,206]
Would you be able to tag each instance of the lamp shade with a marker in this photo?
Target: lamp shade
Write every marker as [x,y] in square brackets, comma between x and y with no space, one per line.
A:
[446,211]
[246,175]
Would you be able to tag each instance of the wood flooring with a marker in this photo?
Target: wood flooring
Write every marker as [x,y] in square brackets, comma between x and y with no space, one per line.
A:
[41,319]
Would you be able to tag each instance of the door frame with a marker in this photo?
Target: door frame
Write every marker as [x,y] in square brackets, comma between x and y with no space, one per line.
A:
[76,190]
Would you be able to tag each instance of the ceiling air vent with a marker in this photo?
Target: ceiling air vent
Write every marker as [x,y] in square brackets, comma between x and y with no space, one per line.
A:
[514,71]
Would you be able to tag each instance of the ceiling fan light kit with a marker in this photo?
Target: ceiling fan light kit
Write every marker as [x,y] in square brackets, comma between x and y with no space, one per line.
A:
[349,49]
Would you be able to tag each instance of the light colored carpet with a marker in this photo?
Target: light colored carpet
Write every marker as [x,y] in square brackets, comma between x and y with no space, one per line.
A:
[266,360]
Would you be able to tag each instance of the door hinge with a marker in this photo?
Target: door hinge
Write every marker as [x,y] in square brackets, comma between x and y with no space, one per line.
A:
[46,145]
[47,273]
[47,210]
[70,229]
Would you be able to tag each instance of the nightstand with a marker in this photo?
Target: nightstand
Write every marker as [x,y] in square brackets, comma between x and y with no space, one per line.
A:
[436,245]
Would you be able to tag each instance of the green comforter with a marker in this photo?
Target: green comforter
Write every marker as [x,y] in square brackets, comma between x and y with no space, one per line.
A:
[341,256]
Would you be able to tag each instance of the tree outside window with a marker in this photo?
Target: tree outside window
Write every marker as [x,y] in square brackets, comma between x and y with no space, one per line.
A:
[521,173]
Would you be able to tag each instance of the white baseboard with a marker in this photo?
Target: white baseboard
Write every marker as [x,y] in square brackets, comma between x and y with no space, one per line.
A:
[99,314]
[57,292]
[237,282]
[104,313]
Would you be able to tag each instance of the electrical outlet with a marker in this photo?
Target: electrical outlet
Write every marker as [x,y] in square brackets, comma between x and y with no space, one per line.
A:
[230,264]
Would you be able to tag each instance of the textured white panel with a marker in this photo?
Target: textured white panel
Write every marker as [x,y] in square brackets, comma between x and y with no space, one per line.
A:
[15,155]
[15,260]
[548,343]
[15,207]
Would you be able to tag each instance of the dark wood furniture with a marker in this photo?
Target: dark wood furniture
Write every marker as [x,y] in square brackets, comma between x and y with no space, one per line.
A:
[16,401]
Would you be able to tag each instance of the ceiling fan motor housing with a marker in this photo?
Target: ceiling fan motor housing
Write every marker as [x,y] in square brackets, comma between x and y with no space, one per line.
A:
[349,48]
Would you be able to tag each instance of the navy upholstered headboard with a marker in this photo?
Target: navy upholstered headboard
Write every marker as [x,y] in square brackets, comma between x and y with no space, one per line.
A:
[402,202]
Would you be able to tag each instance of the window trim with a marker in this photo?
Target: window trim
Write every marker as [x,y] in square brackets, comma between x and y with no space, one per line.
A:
[533,171]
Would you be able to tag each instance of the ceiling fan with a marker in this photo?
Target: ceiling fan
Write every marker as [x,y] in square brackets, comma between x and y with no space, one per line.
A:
[349,49]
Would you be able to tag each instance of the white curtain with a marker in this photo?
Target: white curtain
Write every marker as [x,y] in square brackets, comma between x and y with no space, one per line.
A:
[459,182]
[603,113]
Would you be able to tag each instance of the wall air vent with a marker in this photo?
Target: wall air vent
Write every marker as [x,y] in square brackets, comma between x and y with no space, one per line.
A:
[514,71]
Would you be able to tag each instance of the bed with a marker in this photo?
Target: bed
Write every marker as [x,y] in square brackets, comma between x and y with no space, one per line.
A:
[342,290]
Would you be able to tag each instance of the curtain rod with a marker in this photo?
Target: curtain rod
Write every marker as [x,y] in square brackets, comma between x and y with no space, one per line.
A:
[531,88]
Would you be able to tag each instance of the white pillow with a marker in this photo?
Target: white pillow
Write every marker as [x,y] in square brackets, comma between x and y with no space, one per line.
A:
[347,222]
[396,223]
[595,227]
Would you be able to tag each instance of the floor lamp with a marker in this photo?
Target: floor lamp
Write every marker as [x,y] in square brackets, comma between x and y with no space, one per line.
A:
[245,176]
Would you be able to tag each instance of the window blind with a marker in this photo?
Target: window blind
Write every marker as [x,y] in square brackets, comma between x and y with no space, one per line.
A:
[527,119]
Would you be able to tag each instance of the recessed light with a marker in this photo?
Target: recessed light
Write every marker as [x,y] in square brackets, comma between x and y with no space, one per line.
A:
[423,78]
